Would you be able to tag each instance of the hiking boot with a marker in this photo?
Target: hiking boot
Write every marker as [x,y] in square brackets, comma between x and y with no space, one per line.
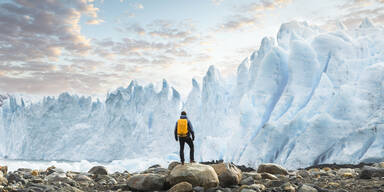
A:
[192,161]
[182,163]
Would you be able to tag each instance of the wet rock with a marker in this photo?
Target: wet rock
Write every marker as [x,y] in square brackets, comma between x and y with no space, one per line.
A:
[98,170]
[181,187]
[228,174]
[272,169]
[146,182]
[307,188]
[195,174]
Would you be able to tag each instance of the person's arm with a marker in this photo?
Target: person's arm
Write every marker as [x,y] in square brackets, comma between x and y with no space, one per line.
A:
[176,132]
[190,129]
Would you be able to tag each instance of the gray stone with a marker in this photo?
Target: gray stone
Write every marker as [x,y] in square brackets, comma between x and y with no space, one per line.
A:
[147,182]
[98,170]
[272,169]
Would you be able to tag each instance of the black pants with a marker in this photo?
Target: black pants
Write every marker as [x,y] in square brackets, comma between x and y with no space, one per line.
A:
[182,141]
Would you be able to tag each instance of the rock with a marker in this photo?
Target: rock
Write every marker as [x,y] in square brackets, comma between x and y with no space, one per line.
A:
[369,172]
[157,170]
[106,180]
[198,189]
[288,187]
[261,187]
[59,177]
[272,169]
[303,173]
[53,169]
[35,173]
[82,179]
[307,188]
[268,176]
[3,180]
[253,174]
[173,165]
[274,183]
[247,181]
[98,170]
[181,187]
[195,174]
[247,188]
[154,166]
[4,169]
[228,174]
[15,178]
[146,182]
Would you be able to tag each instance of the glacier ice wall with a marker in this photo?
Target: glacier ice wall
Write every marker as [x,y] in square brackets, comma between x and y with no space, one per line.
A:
[307,97]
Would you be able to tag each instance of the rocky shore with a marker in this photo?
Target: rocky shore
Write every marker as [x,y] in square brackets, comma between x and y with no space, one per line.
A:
[199,177]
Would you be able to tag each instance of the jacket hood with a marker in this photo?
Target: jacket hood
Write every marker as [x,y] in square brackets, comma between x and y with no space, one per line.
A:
[183,117]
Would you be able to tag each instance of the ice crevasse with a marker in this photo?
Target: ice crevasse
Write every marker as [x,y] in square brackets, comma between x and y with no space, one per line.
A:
[306,97]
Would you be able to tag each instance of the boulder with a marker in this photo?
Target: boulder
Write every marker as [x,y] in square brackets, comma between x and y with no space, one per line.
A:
[228,174]
[82,179]
[181,187]
[195,174]
[146,182]
[272,169]
[98,170]
[369,172]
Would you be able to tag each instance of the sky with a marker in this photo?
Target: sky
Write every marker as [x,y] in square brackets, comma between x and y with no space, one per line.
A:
[92,47]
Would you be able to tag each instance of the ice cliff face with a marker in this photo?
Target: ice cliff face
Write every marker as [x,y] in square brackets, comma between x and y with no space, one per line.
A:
[308,97]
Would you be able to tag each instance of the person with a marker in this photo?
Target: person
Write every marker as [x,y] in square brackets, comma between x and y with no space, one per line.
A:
[183,133]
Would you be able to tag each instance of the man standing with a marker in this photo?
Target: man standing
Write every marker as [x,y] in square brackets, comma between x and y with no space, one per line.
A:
[183,133]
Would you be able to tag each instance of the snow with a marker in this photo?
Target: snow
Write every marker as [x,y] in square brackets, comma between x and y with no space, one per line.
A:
[308,97]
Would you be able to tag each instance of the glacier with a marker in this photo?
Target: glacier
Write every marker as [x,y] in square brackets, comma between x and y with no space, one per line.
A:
[306,97]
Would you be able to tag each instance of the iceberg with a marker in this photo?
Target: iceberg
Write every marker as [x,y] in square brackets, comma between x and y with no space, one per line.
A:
[307,97]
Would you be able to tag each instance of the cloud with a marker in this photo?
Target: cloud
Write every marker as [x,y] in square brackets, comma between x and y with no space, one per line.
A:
[237,22]
[44,29]
[249,14]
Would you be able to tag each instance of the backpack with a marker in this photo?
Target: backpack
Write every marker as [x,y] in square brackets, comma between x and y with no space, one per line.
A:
[182,127]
